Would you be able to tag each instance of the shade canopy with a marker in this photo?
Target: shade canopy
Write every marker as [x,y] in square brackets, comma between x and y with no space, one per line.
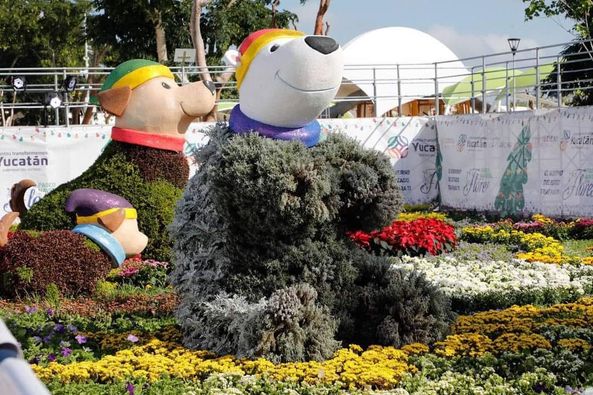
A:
[371,60]
[526,79]
[462,91]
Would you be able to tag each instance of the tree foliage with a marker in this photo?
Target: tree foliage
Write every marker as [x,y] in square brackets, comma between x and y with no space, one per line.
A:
[577,10]
[128,27]
[42,32]
[37,32]
[576,64]
[228,22]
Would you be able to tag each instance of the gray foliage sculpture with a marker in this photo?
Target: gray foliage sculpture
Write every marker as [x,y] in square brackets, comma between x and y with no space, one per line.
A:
[263,265]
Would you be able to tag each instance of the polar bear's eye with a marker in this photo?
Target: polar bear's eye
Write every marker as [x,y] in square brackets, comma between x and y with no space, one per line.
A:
[165,85]
[274,47]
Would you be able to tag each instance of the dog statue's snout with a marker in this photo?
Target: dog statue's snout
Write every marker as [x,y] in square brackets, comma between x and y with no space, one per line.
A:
[210,85]
[324,45]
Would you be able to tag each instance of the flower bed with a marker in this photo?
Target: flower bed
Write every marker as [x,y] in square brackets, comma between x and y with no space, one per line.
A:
[414,237]
[478,285]
[124,339]
[559,338]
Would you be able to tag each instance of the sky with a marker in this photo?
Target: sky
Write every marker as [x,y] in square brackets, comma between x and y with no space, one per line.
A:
[467,27]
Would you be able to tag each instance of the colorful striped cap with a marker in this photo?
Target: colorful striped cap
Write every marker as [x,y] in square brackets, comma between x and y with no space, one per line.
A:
[251,46]
[135,72]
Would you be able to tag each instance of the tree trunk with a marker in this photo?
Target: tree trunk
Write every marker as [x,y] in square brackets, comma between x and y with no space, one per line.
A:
[198,41]
[323,6]
[275,5]
[98,56]
[161,42]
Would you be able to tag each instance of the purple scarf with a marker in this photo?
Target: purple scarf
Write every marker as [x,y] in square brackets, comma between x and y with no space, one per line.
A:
[240,123]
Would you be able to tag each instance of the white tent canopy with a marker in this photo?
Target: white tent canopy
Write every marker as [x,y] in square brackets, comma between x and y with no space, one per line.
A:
[375,54]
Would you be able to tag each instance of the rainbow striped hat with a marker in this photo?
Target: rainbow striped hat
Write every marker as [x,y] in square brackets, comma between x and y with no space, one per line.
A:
[135,72]
[251,46]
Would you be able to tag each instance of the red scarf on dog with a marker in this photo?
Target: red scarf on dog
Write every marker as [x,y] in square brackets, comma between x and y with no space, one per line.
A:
[164,142]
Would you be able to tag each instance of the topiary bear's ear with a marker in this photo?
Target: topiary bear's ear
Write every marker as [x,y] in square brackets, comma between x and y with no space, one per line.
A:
[17,195]
[115,100]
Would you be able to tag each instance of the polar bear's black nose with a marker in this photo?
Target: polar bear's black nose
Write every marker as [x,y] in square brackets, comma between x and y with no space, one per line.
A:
[322,44]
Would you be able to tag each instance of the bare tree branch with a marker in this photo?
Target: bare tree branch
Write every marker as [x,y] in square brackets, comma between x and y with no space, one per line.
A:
[197,40]
[327,26]
[161,41]
[275,5]
[323,6]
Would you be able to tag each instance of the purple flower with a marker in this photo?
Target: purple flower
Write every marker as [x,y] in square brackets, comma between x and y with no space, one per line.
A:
[132,338]
[30,310]
[66,352]
[59,328]
[130,388]
[47,338]
[34,361]
[129,272]
[72,329]
[50,312]
[51,357]
[80,339]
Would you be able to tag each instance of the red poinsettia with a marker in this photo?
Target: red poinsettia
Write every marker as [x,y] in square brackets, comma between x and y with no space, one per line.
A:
[419,237]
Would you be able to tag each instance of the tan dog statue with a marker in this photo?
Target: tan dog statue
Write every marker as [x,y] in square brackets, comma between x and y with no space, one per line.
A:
[144,163]
[149,104]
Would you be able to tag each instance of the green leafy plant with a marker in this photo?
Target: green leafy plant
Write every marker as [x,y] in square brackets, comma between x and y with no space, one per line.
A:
[53,295]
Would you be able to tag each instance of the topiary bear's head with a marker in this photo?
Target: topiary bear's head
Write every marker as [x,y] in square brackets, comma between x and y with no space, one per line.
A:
[274,190]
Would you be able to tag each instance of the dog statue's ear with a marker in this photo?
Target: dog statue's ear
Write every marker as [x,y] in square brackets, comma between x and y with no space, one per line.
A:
[115,100]
[112,221]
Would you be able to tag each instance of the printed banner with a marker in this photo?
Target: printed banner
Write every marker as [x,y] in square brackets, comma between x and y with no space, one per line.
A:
[409,142]
[519,163]
[54,155]
[48,156]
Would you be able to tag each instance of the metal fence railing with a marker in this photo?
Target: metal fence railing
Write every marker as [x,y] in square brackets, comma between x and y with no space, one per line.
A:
[506,81]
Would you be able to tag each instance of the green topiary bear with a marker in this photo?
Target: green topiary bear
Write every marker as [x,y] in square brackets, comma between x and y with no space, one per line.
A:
[151,179]
[263,266]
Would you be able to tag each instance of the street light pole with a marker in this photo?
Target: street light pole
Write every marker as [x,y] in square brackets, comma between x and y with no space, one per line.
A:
[514,45]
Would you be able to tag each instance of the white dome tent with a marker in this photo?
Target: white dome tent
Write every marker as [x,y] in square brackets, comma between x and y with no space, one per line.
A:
[371,61]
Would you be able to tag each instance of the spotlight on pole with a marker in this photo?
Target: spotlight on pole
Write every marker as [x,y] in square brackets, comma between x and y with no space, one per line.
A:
[18,82]
[69,83]
[52,99]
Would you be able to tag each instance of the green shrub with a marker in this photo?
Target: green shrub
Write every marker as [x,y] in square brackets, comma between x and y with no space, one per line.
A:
[393,307]
[53,295]
[150,179]
[57,260]
[260,219]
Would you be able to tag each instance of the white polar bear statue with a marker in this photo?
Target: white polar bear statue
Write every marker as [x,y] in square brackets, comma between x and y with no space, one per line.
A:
[285,80]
